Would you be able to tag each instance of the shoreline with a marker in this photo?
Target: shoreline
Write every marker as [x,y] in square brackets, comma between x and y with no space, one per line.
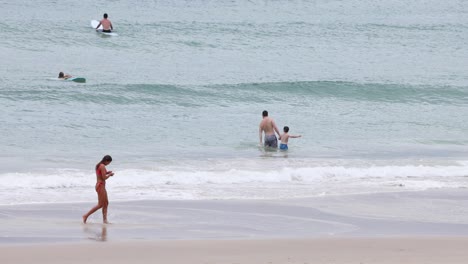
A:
[409,227]
[437,213]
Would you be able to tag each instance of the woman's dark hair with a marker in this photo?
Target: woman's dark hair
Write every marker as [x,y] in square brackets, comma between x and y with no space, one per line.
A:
[105,158]
[61,74]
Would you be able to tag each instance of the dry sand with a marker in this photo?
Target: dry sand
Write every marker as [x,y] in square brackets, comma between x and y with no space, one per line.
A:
[347,251]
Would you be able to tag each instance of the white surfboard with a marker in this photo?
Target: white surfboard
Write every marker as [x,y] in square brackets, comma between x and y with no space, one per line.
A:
[95,23]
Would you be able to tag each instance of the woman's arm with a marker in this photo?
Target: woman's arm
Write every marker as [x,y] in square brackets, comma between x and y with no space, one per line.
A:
[104,174]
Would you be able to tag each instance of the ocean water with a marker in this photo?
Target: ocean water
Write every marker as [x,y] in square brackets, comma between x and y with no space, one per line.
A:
[378,91]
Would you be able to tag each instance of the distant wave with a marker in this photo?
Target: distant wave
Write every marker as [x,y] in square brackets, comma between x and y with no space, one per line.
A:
[416,27]
[255,92]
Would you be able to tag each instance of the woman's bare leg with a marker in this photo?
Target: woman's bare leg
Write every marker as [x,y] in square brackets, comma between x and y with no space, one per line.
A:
[105,204]
[102,200]
[94,209]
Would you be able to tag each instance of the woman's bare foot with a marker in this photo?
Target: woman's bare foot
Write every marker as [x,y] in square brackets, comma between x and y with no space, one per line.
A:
[84,219]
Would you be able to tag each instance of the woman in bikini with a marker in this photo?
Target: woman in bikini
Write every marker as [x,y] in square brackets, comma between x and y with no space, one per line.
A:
[101,176]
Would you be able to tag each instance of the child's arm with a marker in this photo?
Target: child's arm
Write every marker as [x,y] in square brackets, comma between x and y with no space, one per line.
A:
[295,136]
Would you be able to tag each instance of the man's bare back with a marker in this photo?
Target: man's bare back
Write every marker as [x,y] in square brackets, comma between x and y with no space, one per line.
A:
[268,126]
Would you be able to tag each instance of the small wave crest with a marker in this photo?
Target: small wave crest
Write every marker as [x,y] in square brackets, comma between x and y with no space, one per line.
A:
[254,183]
[245,92]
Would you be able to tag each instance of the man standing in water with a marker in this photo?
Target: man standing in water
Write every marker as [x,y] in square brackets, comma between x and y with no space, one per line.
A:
[106,25]
[268,126]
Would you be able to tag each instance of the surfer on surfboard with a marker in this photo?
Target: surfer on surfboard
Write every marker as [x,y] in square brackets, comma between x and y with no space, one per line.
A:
[67,77]
[106,24]
[64,76]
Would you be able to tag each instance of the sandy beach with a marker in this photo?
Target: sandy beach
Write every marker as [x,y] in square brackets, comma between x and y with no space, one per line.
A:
[407,227]
[349,251]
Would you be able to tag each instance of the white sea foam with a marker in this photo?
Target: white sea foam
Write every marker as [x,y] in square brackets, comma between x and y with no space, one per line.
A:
[188,183]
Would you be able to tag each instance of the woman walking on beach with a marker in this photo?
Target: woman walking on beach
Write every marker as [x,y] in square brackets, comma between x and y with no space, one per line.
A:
[101,176]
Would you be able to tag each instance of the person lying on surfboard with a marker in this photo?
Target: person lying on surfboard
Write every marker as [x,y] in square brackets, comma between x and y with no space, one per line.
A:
[106,25]
[64,76]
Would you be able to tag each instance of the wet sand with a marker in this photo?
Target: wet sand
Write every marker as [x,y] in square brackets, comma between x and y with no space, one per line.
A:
[414,227]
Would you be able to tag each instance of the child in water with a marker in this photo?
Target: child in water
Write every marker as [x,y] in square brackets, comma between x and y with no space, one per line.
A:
[285,137]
